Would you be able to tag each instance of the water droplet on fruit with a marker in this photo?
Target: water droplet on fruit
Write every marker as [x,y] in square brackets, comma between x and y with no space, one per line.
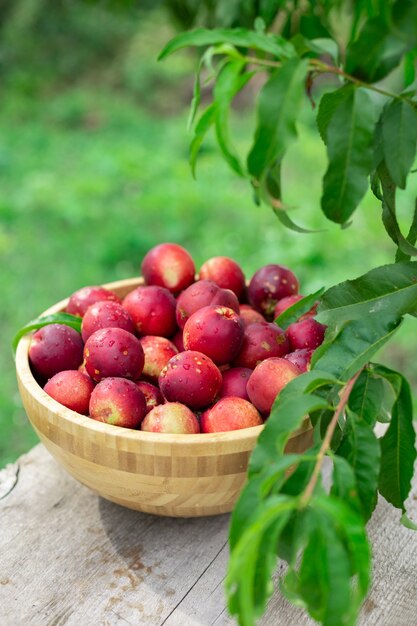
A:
[111,343]
[186,366]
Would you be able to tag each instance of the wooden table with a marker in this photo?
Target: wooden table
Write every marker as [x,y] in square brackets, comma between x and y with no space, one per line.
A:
[70,557]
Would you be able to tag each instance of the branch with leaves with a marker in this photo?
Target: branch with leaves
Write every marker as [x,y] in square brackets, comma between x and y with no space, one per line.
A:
[321,532]
[369,131]
[368,122]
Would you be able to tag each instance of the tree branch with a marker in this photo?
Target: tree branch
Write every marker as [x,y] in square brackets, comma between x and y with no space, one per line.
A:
[344,397]
[321,66]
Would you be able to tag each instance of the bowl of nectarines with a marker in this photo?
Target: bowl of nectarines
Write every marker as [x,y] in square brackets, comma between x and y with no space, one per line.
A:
[157,403]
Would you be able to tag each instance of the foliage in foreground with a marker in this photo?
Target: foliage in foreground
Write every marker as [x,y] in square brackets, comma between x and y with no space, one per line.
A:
[370,133]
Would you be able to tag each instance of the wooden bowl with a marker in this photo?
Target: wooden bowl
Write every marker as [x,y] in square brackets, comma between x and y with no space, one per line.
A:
[174,475]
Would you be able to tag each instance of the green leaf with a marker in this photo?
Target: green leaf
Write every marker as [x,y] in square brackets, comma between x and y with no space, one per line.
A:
[288,411]
[295,311]
[378,155]
[266,563]
[399,133]
[375,185]
[255,554]
[270,190]
[205,61]
[279,104]
[361,8]
[268,10]
[229,82]
[239,37]
[196,99]
[203,125]
[354,345]
[297,481]
[256,491]
[313,577]
[389,216]
[248,503]
[283,421]
[411,237]
[259,25]
[334,573]
[286,221]
[366,397]
[398,446]
[391,288]
[405,521]
[410,67]
[294,534]
[351,526]
[393,378]
[322,421]
[273,185]
[326,45]
[362,450]
[312,23]
[382,43]
[273,478]
[329,103]
[55,318]
[315,47]
[344,483]
[384,417]
[325,577]
[410,90]
[349,134]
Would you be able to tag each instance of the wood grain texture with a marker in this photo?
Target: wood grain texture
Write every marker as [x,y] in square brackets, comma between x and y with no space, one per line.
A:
[174,475]
[68,557]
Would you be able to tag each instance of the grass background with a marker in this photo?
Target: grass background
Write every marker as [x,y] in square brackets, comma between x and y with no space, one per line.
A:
[94,172]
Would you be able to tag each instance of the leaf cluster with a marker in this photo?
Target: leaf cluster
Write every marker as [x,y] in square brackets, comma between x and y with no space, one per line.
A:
[311,509]
[370,132]
[73,321]
[315,519]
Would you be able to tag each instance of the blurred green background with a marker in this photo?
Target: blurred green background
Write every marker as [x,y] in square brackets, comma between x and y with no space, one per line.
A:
[94,171]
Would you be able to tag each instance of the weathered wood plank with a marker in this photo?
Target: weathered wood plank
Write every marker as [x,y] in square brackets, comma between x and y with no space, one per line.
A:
[69,557]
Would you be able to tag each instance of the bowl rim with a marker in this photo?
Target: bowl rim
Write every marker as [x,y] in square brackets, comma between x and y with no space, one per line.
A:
[73,418]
